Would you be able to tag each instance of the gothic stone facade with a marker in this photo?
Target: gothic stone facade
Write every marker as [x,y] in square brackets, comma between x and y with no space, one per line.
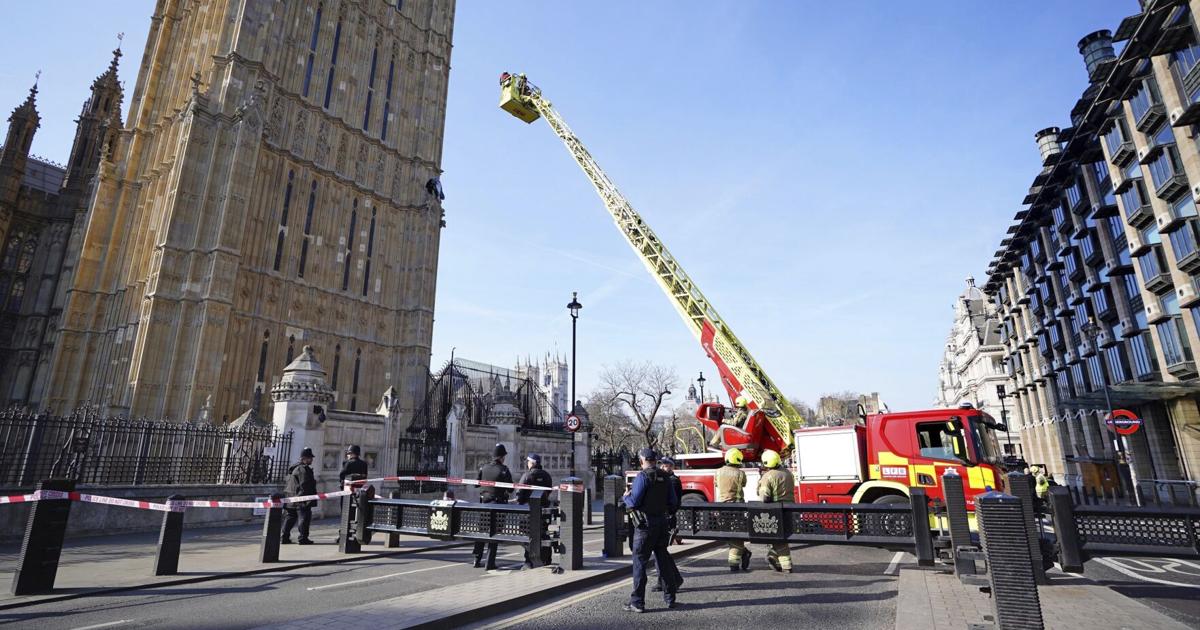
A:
[40,205]
[267,191]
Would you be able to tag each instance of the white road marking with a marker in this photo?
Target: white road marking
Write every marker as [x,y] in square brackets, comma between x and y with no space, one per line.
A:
[1117,564]
[571,601]
[380,577]
[104,625]
[894,567]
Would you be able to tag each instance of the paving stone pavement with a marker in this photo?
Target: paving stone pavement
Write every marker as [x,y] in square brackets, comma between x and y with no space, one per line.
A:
[932,600]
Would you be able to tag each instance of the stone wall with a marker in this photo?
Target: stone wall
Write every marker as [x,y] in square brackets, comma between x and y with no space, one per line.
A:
[90,519]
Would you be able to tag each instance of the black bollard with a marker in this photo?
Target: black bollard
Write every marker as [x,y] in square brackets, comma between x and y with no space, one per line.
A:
[393,540]
[347,543]
[1066,532]
[587,502]
[922,534]
[959,523]
[166,561]
[1021,486]
[1002,528]
[42,547]
[363,513]
[269,549]
[614,517]
[571,528]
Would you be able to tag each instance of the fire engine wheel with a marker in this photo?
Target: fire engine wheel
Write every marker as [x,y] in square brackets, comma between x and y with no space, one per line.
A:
[895,525]
[692,497]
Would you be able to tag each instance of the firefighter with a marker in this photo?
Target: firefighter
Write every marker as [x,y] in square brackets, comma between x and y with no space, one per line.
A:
[1041,482]
[495,471]
[651,499]
[777,486]
[740,419]
[731,483]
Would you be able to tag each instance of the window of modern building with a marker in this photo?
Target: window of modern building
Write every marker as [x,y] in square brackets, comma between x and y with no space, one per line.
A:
[1183,240]
[1095,375]
[370,88]
[1144,98]
[283,219]
[1152,264]
[1165,166]
[1074,195]
[1143,358]
[1060,216]
[312,50]
[333,57]
[1079,379]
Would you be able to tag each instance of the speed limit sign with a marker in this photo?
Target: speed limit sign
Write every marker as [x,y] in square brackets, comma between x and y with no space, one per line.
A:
[573,423]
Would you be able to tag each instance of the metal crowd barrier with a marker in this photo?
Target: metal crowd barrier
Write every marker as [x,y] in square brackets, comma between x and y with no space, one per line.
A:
[898,527]
[530,525]
[1088,531]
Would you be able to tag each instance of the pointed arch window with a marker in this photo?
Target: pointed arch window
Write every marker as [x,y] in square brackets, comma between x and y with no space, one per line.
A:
[354,384]
[312,50]
[283,219]
[370,89]
[337,364]
[262,357]
[337,40]
[312,202]
[370,250]
[291,349]
[349,247]
[387,99]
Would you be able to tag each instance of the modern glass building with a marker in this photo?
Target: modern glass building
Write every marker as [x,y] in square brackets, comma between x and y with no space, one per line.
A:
[1097,281]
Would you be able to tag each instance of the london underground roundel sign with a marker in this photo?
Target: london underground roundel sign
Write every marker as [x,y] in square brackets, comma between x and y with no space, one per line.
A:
[1123,421]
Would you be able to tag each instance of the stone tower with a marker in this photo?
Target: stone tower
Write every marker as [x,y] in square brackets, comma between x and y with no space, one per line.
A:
[22,124]
[271,150]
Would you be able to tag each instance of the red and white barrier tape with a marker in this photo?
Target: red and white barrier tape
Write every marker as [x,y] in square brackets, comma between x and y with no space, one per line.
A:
[179,506]
[169,506]
[565,487]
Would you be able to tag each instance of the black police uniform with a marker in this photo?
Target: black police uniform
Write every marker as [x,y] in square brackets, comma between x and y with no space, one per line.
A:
[495,471]
[352,467]
[536,476]
[652,537]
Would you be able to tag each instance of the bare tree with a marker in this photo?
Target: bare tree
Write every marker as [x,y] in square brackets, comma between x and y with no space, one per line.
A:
[612,429]
[640,389]
[805,410]
[688,435]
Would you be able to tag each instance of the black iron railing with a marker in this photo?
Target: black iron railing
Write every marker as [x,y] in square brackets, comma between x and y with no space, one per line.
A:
[97,450]
[495,522]
[1086,531]
[866,524]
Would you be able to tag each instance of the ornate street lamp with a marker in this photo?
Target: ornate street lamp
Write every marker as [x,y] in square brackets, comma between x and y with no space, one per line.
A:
[574,307]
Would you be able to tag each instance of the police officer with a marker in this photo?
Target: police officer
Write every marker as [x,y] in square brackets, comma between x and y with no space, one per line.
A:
[731,484]
[534,475]
[354,467]
[495,471]
[667,466]
[777,486]
[651,499]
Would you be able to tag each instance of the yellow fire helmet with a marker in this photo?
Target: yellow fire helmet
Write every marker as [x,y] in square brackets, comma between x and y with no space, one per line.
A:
[771,459]
[740,401]
[733,456]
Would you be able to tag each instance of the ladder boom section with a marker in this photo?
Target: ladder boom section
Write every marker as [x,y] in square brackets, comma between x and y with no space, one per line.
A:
[740,373]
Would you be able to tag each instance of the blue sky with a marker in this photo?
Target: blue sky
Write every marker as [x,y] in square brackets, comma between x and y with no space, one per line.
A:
[828,173]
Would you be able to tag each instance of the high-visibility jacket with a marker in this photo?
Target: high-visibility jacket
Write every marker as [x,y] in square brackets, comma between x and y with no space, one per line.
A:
[777,486]
[731,481]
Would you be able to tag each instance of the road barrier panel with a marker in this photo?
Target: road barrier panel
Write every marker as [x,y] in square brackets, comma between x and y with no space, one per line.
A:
[393,540]
[527,525]
[166,558]
[43,543]
[1088,531]
[1002,530]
